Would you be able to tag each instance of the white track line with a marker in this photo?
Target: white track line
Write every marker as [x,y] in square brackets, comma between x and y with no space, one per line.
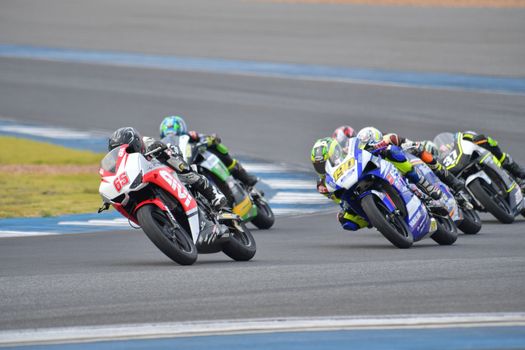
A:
[289,184]
[54,133]
[264,167]
[298,198]
[202,328]
[112,223]
[8,234]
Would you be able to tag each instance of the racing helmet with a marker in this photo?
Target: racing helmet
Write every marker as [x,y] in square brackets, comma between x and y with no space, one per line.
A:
[431,148]
[129,136]
[370,136]
[343,133]
[319,154]
[173,124]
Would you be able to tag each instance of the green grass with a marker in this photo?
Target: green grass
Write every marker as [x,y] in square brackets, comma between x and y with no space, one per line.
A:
[48,195]
[22,151]
[41,193]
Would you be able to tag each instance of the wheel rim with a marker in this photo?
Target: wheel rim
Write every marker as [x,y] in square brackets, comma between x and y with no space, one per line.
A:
[393,220]
[497,197]
[175,236]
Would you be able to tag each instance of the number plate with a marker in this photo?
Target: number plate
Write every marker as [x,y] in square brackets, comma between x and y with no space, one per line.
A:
[343,168]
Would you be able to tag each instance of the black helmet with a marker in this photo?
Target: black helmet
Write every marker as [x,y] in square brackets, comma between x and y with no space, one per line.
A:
[127,135]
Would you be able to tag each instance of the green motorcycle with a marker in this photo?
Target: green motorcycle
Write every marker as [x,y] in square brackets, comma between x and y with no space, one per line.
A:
[248,203]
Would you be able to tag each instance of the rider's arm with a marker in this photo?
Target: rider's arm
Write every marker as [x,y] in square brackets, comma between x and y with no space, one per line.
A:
[210,139]
[395,139]
[323,189]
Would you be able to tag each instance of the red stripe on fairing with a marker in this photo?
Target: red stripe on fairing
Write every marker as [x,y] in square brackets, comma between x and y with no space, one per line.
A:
[154,201]
[121,210]
[105,173]
[121,158]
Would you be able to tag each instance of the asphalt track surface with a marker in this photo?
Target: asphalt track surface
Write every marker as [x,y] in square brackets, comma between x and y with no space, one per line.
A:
[305,266]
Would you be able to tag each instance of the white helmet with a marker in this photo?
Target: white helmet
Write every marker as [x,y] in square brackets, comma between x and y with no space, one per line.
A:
[370,136]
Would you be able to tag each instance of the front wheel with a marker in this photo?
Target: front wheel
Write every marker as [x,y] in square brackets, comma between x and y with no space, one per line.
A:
[175,242]
[265,217]
[471,223]
[492,201]
[391,225]
[241,245]
[446,233]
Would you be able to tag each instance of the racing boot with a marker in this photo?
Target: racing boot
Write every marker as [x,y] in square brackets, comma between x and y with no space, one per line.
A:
[512,167]
[431,190]
[210,192]
[242,175]
[433,205]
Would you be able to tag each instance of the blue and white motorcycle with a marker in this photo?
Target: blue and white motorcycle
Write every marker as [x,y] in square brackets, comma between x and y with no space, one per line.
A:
[374,189]
[467,220]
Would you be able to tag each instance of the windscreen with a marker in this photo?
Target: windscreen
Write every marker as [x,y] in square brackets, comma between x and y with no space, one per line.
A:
[109,162]
[337,154]
[445,143]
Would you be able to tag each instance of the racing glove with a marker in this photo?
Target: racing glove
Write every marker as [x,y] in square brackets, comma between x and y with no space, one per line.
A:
[213,139]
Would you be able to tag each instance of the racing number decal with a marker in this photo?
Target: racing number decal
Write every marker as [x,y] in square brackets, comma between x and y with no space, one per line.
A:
[343,168]
[121,181]
[450,159]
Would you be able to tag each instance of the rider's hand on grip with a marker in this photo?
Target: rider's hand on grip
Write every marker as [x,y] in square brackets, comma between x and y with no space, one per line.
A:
[213,139]
[194,135]
[321,187]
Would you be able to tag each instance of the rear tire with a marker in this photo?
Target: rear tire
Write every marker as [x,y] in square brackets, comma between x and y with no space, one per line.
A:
[492,201]
[446,233]
[471,223]
[241,246]
[389,226]
[265,217]
[175,243]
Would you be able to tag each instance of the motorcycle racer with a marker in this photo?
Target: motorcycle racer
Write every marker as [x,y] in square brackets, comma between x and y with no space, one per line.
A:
[372,141]
[348,219]
[505,159]
[177,126]
[342,134]
[421,150]
[137,143]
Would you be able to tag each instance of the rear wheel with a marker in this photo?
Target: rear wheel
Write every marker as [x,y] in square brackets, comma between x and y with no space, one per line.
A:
[175,242]
[492,201]
[241,246]
[391,225]
[471,223]
[265,218]
[446,233]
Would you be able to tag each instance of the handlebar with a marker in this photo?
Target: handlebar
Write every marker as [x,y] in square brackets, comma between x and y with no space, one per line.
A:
[158,149]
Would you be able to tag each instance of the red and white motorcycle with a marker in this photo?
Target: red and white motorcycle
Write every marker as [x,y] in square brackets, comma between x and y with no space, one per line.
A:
[178,222]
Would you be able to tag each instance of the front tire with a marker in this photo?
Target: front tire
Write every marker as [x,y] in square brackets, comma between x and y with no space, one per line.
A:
[492,201]
[446,233]
[174,242]
[265,217]
[392,226]
[471,223]
[241,246]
